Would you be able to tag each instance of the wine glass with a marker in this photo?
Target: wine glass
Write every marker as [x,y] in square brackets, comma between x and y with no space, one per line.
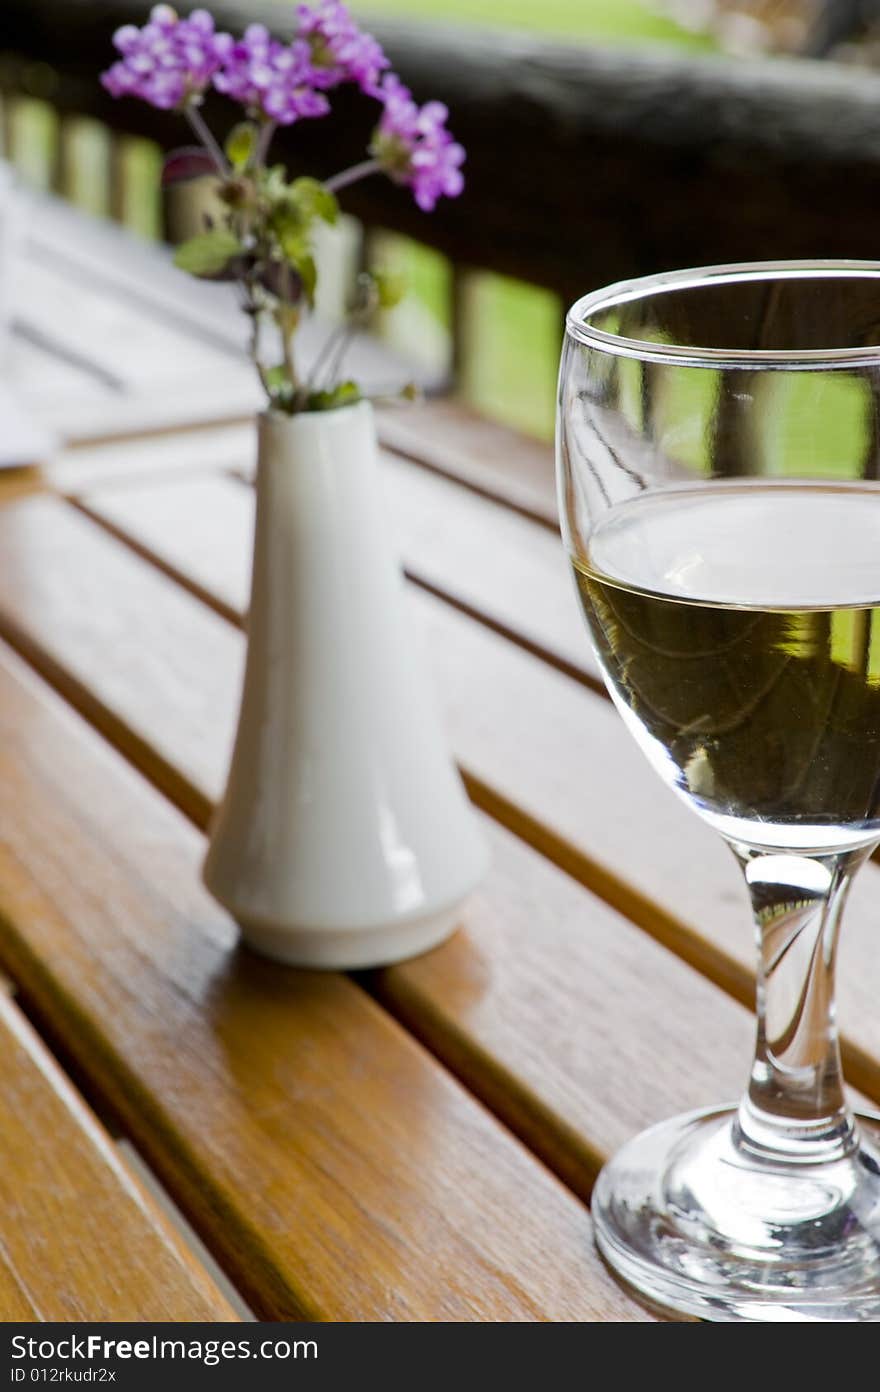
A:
[718,450]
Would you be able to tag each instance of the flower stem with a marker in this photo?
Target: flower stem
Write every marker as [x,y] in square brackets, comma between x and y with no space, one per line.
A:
[254,346]
[337,343]
[340,349]
[265,140]
[202,130]
[331,344]
[352,175]
[287,353]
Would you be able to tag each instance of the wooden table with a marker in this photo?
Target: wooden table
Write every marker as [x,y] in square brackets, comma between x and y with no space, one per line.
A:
[416,1143]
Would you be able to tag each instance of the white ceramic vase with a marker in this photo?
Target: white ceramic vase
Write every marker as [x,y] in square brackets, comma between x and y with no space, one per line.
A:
[345,838]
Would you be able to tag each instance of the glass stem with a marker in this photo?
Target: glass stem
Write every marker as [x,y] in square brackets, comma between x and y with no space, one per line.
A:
[795,1109]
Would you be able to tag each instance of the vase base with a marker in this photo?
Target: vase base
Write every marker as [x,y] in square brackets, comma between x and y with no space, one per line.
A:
[690,1222]
[350,949]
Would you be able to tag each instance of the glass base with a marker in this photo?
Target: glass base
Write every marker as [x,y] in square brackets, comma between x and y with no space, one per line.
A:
[699,1225]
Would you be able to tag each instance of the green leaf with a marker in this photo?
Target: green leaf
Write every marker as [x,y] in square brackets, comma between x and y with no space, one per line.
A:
[308,274]
[290,228]
[291,236]
[209,253]
[294,244]
[315,199]
[280,389]
[274,183]
[391,286]
[276,377]
[344,394]
[240,144]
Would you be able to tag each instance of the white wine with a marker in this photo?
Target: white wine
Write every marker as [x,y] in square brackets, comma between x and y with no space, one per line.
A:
[738,627]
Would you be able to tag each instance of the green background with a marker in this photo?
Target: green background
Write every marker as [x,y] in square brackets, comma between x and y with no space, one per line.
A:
[513,330]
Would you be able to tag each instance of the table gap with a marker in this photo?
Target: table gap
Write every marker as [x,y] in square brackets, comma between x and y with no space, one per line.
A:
[504,1104]
[698,952]
[469,483]
[182,1226]
[107,1116]
[198,808]
[45,988]
[231,614]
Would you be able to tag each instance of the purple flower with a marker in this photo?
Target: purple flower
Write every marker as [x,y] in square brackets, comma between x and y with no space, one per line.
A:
[414,147]
[169,60]
[340,51]
[271,78]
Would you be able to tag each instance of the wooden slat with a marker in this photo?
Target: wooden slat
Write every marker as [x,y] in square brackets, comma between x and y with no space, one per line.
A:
[176,347]
[20,483]
[522,1072]
[226,448]
[149,347]
[75,589]
[204,540]
[81,406]
[49,383]
[86,421]
[79,1237]
[24,439]
[335,1168]
[573,1025]
[211,505]
[96,252]
[120,342]
[112,373]
[490,560]
[454,440]
[531,1079]
[544,755]
[14,1302]
[485,558]
[574,1002]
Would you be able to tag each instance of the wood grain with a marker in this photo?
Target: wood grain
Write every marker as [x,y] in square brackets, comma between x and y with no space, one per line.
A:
[75,592]
[205,449]
[79,1237]
[450,439]
[20,483]
[488,560]
[49,383]
[212,506]
[127,347]
[507,1053]
[129,367]
[130,346]
[573,1004]
[573,1025]
[15,1303]
[546,757]
[333,1166]
[550,1006]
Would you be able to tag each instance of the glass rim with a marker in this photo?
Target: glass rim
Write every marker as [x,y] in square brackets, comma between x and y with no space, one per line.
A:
[687,355]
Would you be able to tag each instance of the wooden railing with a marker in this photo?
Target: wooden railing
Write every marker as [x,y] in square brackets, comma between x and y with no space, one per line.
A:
[584,164]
